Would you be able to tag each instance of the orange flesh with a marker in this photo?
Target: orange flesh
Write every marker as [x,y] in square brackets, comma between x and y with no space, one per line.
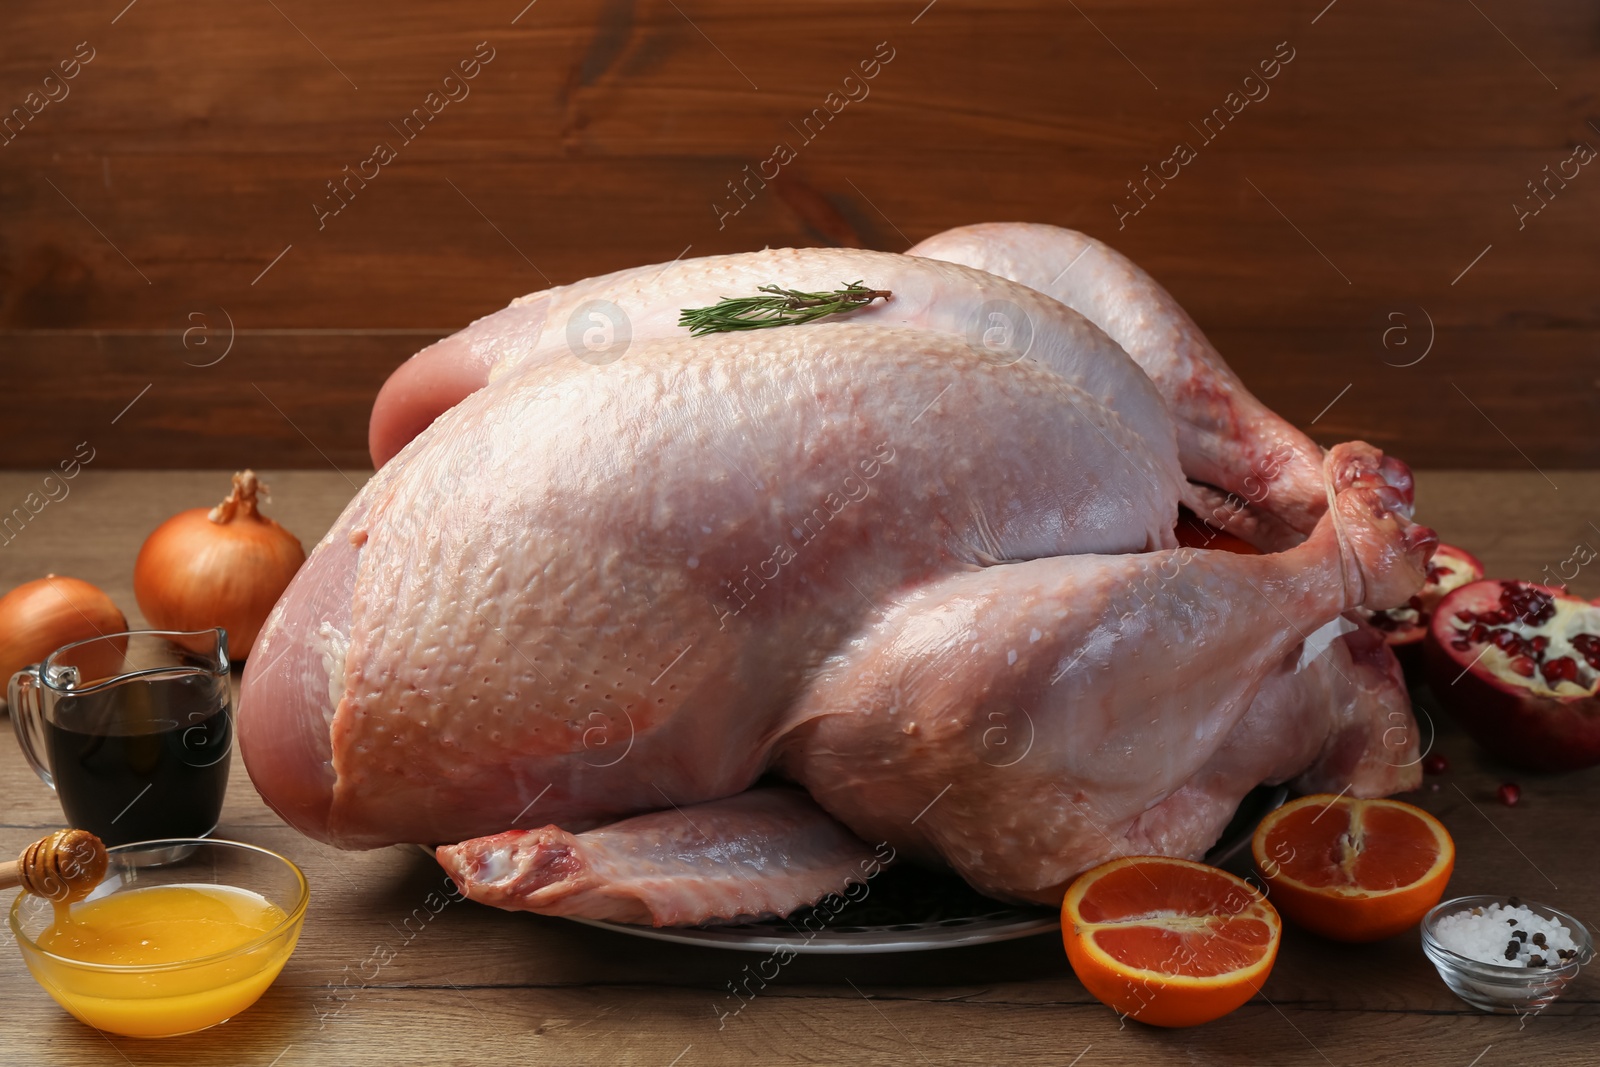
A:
[1130,892]
[1354,847]
[1211,947]
[1188,922]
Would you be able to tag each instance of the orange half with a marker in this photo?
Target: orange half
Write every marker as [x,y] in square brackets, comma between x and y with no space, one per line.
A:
[1352,869]
[1166,941]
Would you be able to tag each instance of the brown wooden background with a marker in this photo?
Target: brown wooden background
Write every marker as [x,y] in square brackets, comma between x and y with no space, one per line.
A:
[190,150]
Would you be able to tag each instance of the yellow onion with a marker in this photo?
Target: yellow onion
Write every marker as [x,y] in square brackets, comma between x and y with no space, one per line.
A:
[225,567]
[38,617]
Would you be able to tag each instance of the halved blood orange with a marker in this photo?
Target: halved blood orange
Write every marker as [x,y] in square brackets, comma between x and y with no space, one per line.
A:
[1166,941]
[1351,869]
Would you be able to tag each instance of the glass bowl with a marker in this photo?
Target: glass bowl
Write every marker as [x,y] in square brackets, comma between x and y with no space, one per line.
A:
[1496,987]
[186,995]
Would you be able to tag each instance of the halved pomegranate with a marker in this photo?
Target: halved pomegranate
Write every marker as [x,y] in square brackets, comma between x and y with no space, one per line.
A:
[1404,627]
[1518,665]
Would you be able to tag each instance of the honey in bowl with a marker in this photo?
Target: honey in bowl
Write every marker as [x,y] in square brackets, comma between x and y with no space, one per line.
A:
[162,950]
[163,924]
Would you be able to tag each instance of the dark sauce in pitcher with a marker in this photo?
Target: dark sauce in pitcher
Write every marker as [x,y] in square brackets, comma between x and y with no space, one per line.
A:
[127,770]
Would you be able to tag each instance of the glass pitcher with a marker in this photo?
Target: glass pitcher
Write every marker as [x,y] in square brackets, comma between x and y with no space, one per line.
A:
[134,731]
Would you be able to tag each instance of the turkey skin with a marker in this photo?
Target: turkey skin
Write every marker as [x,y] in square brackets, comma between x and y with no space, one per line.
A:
[569,626]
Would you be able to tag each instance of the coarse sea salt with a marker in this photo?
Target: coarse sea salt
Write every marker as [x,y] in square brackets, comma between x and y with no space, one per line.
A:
[1508,935]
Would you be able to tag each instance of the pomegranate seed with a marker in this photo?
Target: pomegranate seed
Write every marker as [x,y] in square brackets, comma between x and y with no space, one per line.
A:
[1539,642]
[1560,669]
[1523,665]
[1435,764]
[1588,646]
[1509,794]
[1465,617]
[1478,634]
[1533,606]
[1460,646]
[1508,641]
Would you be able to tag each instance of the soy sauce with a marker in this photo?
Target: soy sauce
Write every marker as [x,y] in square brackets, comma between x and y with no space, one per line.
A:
[157,773]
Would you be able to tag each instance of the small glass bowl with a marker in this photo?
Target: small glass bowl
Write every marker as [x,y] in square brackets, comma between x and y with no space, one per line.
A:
[1496,987]
[181,997]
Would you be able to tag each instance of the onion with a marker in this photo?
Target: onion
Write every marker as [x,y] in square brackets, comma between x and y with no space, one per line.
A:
[224,567]
[38,617]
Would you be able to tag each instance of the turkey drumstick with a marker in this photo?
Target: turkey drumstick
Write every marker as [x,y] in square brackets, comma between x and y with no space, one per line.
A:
[1127,673]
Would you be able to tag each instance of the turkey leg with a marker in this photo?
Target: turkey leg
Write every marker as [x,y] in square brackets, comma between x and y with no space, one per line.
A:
[1074,660]
[1338,720]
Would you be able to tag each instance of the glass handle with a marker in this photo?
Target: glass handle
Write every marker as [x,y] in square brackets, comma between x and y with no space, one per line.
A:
[27,718]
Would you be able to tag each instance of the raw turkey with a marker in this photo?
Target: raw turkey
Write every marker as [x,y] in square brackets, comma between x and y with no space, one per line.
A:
[587,604]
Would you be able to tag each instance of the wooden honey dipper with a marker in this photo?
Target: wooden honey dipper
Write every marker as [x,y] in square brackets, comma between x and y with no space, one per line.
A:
[65,866]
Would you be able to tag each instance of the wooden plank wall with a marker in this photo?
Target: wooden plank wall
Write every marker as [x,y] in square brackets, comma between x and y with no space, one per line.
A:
[162,201]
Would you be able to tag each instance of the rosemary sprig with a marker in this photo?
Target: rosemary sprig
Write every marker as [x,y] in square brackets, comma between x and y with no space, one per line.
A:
[780,307]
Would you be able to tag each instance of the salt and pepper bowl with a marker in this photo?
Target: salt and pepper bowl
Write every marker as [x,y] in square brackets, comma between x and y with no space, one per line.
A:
[1500,988]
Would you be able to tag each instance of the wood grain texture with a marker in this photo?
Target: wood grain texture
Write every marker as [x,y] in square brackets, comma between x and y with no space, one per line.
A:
[479,988]
[190,150]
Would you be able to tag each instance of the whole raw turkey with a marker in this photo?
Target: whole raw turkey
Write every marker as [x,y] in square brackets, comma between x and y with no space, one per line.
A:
[586,604]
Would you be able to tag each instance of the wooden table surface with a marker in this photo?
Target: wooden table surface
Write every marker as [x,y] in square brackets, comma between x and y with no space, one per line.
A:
[1408,175]
[480,987]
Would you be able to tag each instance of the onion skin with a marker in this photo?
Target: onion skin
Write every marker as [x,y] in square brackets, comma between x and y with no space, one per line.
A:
[224,566]
[40,616]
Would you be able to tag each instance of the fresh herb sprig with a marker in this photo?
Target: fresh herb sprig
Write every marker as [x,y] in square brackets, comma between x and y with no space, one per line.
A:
[780,307]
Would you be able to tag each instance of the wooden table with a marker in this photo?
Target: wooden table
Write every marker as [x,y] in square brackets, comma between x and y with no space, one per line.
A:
[164,231]
[478,987]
